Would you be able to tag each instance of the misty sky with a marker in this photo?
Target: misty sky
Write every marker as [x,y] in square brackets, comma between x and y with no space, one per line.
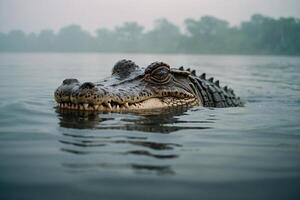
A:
[34,15]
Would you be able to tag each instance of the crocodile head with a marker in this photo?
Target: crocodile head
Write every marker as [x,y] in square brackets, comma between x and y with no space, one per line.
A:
[130,88]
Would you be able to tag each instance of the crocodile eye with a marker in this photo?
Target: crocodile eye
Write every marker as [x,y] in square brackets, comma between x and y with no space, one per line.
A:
[158,72]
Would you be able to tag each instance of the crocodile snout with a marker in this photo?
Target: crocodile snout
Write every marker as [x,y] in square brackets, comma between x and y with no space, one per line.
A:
[70,81]
[87,85]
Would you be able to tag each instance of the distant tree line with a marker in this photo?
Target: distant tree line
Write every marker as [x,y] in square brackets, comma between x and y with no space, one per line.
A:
[259,35]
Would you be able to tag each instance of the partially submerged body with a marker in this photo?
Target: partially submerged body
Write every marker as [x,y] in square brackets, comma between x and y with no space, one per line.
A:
[131,88]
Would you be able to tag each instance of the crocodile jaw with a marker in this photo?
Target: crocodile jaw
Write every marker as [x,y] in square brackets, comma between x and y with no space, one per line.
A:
[148,104]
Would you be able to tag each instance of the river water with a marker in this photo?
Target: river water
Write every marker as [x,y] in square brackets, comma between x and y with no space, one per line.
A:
[252,152]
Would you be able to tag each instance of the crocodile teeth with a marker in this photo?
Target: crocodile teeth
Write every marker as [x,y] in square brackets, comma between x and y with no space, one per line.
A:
[108,105]
[133,105]
[96,107]
[80,107]
[100,107]
[85,105]
[126,105]
[117,107]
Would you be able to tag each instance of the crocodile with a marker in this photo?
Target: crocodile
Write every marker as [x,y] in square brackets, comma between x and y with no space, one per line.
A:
[134,88]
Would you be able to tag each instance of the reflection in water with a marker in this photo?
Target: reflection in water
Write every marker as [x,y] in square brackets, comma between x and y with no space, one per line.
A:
[138,168]
[83,142]
[249,153]
[147,153]
[150,121]
[118,146]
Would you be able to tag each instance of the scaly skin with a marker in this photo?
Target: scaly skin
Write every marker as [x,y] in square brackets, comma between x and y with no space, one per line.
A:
[131,88]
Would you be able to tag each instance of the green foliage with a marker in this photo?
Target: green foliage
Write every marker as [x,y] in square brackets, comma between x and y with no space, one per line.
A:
[208,34]
[259,35]
[165,37]
[73,38]
[128,37]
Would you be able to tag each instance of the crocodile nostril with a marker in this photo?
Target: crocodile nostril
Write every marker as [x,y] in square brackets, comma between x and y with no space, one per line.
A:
[87,85]
[69,81]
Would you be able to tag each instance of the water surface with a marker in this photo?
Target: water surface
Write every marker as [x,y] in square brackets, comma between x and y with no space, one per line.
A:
[251,152]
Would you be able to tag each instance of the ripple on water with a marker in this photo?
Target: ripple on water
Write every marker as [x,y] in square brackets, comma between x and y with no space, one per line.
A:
[127,141]
[26,116]
[202,149]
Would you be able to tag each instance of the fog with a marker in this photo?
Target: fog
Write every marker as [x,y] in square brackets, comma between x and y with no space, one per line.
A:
[35,15]
[151,26]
